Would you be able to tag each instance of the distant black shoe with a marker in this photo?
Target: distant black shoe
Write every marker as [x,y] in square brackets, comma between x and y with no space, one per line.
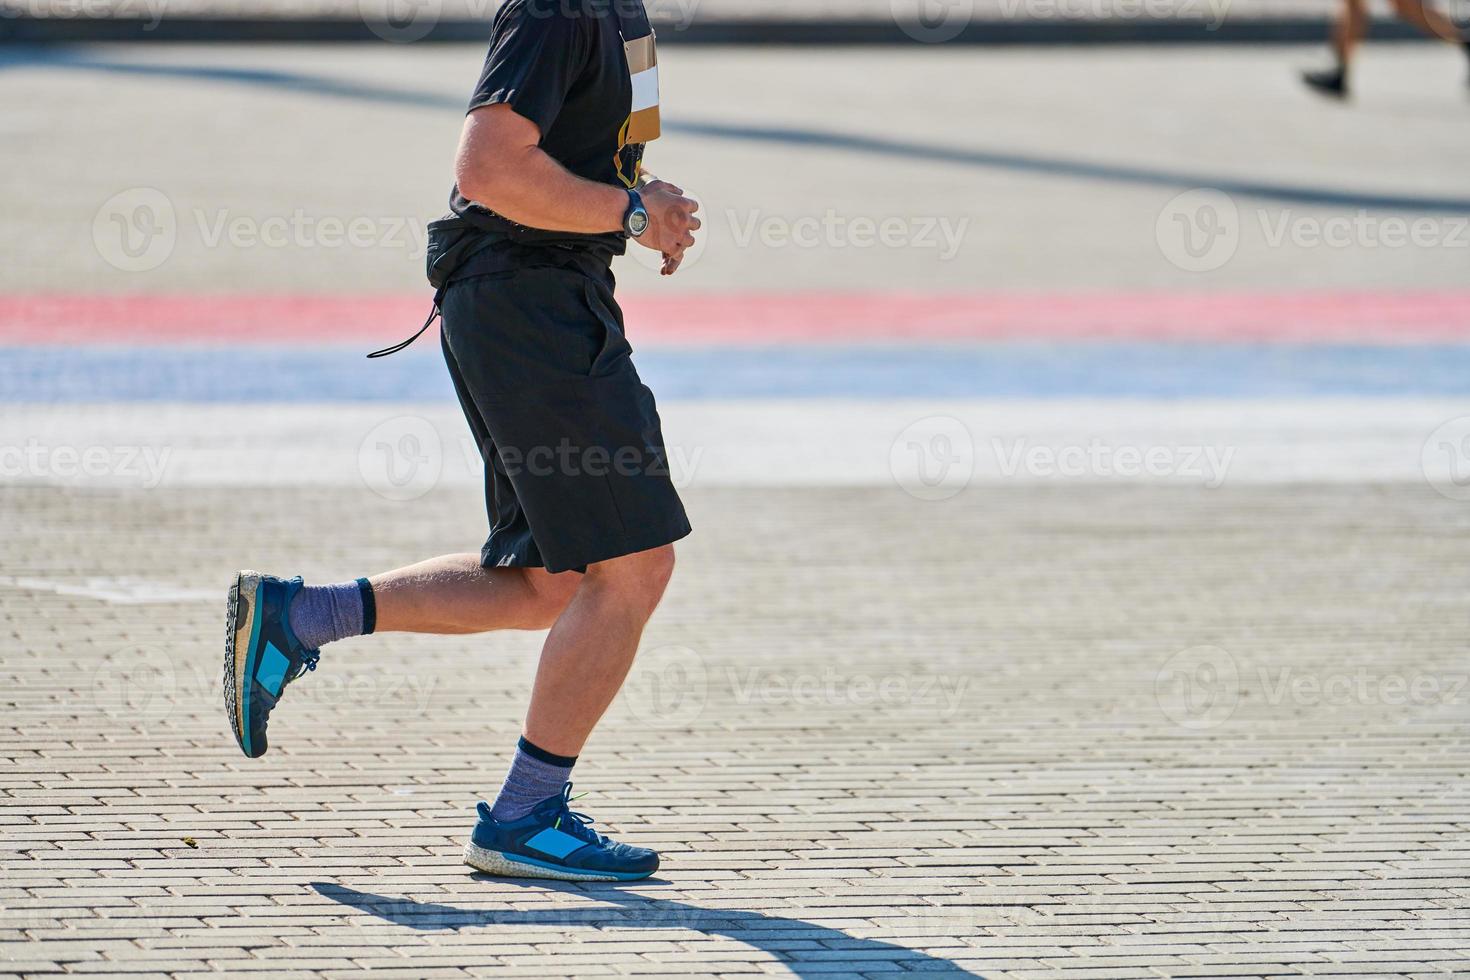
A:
[1331,82]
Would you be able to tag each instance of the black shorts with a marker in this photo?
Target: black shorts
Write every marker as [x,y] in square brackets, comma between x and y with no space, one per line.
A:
[575,466]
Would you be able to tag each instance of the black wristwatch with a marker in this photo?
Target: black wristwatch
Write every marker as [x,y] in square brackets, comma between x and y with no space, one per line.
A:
[635,219]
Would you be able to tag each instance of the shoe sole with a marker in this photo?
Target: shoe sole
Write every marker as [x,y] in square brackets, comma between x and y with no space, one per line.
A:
[1341,94]
[507,866]
[240,627]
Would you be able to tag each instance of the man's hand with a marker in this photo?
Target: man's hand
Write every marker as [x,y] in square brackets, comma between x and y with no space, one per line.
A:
[671,222]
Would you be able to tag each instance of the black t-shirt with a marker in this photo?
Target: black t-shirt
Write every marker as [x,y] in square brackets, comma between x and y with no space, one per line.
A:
[561,64]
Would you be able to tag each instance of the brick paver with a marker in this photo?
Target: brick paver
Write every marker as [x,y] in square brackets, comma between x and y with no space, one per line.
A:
[1029,733]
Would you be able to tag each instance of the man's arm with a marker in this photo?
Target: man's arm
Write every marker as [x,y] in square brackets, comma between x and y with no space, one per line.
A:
[501,165]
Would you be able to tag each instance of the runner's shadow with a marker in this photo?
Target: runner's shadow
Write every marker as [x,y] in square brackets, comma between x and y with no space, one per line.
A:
[805,948]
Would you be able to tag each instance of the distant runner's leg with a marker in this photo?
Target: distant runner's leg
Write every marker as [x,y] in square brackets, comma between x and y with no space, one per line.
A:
[1347,31]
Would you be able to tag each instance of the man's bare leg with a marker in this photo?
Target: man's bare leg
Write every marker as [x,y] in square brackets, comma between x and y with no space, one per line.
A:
[596,621]
[590,649]
[455,594]
[530,829]
[586,657]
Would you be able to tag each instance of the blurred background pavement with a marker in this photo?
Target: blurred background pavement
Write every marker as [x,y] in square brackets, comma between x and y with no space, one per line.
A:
[893,235]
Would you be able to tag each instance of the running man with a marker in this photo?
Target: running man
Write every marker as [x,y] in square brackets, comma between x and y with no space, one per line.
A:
[1353,23]
[582,511]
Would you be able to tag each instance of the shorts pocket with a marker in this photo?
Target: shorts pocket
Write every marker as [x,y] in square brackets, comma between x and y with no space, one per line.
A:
[614,351]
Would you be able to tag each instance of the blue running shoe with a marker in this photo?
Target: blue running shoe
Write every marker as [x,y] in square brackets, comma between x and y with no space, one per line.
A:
[262,654]
[553,842]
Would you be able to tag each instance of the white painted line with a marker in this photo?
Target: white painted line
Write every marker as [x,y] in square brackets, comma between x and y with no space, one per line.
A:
[403,450]
[116,591]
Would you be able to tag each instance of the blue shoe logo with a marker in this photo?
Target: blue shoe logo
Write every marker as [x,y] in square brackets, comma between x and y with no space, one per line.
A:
[555,843]
[272,671]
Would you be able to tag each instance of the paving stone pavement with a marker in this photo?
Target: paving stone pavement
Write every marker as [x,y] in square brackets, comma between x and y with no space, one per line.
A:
[678,13]
[1024,732]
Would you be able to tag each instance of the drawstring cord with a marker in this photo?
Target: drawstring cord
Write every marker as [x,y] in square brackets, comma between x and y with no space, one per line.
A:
[404,343]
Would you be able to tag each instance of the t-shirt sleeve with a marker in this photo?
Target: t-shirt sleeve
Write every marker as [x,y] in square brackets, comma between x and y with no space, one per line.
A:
[537,52]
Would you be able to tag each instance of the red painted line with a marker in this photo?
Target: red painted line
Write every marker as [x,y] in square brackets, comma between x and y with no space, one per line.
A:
[769,318]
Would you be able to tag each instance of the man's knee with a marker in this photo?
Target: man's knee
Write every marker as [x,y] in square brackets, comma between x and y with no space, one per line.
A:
[638,578]
[549,595]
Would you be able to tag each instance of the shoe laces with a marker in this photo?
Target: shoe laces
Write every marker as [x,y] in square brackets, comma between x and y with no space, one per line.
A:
[309,660]
[576,824]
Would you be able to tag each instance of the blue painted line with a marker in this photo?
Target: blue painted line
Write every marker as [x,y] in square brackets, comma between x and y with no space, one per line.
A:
[1097,370]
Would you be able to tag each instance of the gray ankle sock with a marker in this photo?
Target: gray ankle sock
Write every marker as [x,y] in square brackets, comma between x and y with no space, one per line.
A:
[535,775]
[323,613]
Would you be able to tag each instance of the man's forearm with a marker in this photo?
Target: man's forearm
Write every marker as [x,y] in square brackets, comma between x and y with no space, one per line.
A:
[530,188]
[501,166]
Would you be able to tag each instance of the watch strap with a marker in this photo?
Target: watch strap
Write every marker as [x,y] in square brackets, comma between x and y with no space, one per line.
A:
[635,203]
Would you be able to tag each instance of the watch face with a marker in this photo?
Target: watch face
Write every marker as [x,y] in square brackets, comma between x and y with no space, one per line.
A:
[638,222]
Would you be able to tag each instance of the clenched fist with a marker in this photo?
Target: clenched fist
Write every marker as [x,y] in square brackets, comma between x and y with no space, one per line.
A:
[671,222]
